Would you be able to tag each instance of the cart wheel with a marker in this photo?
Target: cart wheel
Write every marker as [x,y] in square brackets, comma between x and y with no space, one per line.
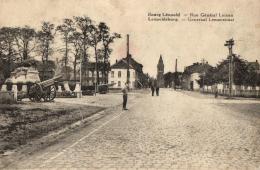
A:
[50,93]
[35,93]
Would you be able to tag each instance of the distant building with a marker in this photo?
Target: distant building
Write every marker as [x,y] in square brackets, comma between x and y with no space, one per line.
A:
[89,73]
[192,75]
[160,72]
[173,79]
[118,73]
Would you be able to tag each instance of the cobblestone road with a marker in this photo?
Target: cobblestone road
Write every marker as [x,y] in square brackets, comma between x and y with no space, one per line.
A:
[172,131]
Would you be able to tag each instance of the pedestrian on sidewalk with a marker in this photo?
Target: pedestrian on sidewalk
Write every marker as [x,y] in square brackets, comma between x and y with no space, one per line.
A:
[125,90]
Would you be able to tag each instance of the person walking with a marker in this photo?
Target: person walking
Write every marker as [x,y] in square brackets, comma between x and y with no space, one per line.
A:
[216,93]
[152,88]
[125,91]
[157,88]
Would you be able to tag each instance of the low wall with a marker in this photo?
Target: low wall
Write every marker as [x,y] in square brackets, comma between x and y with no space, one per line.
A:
[20,91]
[237,91]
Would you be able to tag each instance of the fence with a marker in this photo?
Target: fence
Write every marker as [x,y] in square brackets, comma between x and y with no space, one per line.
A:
[237,91]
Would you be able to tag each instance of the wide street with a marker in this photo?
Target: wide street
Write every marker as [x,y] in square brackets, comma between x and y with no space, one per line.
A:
[176,130]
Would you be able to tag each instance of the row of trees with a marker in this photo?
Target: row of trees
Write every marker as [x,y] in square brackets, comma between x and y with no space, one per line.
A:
[78,35]
[244,73]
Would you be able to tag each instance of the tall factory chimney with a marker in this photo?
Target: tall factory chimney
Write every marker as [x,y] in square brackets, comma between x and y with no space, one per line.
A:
[127,45]
[176,63]
[128,58]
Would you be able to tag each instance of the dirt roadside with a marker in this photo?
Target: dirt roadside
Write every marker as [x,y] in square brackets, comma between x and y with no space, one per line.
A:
[28,127]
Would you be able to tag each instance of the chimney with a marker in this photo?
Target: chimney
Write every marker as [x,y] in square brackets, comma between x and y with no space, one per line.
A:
[176,64]
[127,45]
[116,60]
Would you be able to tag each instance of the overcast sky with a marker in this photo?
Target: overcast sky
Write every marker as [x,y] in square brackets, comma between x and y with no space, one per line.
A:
[187,41]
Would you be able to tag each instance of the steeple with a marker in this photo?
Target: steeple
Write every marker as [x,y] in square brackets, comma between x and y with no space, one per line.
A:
[160,65]
[160,72]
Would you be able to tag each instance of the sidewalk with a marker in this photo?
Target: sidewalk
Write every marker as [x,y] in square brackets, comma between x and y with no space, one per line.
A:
[221,99]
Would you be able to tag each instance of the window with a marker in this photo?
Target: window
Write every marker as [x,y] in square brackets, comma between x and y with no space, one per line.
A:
[112,82]
[112,74]
[89,74]
[119,73]
[119,83]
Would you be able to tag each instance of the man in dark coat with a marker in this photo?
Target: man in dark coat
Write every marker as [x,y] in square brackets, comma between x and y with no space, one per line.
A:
[125,90]
[156,87]
[152,88]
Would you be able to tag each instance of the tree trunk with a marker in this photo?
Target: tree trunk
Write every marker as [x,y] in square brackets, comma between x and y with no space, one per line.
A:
[66,56]
[97,70]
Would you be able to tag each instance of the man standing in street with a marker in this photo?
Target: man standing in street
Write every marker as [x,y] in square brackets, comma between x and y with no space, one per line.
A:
[152,88]
[125,91]
[157,88]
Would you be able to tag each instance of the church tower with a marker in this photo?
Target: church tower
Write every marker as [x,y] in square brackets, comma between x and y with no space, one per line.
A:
[160,72]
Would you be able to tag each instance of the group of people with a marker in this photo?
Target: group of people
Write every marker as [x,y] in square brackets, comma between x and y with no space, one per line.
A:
[155,87]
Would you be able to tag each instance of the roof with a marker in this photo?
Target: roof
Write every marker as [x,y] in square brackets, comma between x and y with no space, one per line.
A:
[160,59]
[121,64]
[197,68]
[132,63]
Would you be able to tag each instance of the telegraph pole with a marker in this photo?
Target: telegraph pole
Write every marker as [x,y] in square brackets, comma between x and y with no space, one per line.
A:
[128,58]
[203,73]
[230,44]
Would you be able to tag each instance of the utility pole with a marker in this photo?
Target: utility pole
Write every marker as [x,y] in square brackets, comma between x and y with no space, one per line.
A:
[203,73]
[175,78]
[96,78]
[128,58]
[230,44]
[176,64]
[80,72]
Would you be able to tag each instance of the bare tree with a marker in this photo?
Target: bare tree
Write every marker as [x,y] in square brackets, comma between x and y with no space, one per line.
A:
[107,40]
[75,40]
[25,41]
[46,38]
[7,50]
[66,29]
[95,38]
[83,25]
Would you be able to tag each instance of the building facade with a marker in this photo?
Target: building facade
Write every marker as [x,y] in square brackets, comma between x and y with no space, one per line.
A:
[90,76]
[118,74]
[192,75]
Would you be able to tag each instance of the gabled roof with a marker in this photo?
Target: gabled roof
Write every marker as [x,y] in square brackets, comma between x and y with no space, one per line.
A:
[122,64]
[196,68]
[132,64]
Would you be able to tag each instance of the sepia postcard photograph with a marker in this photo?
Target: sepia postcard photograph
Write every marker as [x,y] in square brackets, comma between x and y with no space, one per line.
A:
[130,84]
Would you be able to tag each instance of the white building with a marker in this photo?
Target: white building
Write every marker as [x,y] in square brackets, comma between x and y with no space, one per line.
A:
[118,74]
